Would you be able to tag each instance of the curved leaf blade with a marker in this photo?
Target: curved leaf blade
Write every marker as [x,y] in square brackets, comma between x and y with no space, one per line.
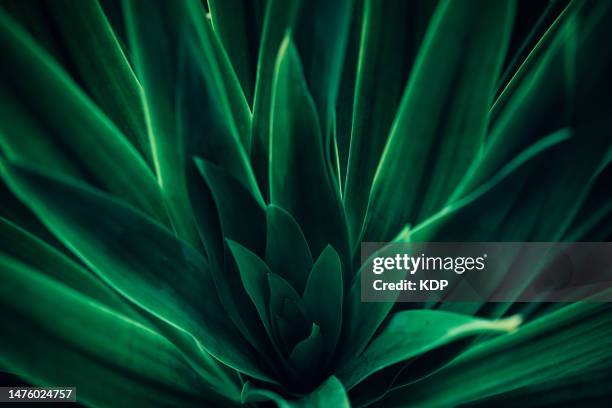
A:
[439,131]
[57,345]
[299,178]
[162,268]
[413,332]
[287,251]
[323,296]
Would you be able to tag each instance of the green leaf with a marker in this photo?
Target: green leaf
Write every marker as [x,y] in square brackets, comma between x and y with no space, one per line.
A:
[280,292]
[330,393]
[287,251]
[161,274]
[439,131]
[535,207]
[306,355]
[34,18]
[323,296]
[254,274]
[255,278]
[14,211]
[289,313]
[362,319]
[222,78]
[391,32]
[321,35]
[226,209]
[512,174]
[91,44]
[168,41]
[573,340]
[47,318]
[414,332]
[241,216]
[299,178]
[27,248]
[517,114]
[38,148]
[237,24]
[89,136]
[202,125]
[279,18]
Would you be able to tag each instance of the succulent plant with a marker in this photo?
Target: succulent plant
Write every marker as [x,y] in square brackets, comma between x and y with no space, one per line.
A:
[186,186]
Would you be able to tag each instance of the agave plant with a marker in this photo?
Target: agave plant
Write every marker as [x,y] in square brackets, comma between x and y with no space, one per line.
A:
[187,184]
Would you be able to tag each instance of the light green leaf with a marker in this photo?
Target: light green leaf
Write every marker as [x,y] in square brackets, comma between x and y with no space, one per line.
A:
[414,332]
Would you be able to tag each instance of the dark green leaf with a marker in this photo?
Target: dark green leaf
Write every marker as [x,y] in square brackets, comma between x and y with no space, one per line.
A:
[37,148]
[222,78]
[254,274]
[442,118]
[25,247]
[161,274]
[237,23]
[287,252]
[93,46]
[299,178]
[574,340]
[306,355]
[323,296]
[279,18]
[226,209]
[390,36]
[289,313]
[161,39]
[330,393]
[512,174]
[242,217]
[89,135]
[321,34]
[143,365]
[529,106]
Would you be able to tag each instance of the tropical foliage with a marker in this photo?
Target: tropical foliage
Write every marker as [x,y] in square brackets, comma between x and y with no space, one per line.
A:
[186,184]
